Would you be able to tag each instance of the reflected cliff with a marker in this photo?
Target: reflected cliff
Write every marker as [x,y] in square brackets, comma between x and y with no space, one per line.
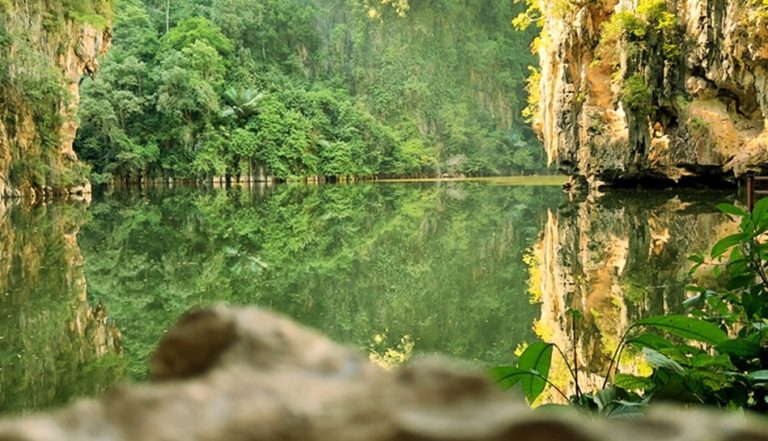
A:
[54,344]
[616,259]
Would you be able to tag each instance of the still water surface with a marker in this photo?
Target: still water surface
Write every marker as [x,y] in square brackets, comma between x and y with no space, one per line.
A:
[471,270]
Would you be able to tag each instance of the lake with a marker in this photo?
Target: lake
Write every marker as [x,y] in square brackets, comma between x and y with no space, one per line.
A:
[468,269]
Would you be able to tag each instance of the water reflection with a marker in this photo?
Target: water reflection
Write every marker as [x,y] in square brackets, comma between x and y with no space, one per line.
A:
[53,343]
[464,269]
[393,269]
[616,260]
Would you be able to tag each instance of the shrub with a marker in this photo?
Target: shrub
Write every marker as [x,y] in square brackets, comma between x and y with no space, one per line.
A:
[637,96]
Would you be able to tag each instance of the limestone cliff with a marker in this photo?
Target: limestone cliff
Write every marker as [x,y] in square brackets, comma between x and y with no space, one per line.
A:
[46,46]
[653,89]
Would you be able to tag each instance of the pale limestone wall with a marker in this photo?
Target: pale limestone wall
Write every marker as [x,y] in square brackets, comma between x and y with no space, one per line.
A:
[712,98]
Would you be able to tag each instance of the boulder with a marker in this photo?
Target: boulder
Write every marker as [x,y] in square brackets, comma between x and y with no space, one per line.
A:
[245,374]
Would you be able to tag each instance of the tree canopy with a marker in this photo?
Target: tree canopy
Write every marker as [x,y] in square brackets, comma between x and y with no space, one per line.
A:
[296,88]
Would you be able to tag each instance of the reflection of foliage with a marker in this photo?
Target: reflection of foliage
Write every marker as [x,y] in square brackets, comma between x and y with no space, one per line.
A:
[382,353]
[534,265]
[634,293]
[441,264]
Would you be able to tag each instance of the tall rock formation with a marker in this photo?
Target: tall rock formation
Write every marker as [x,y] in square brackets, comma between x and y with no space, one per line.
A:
[653,89]
[46,46]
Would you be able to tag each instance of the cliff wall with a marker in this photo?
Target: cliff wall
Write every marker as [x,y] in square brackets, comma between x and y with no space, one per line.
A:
[46,47]
[653,89]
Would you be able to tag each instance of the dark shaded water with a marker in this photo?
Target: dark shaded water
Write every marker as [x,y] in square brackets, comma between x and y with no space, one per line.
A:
[466,269]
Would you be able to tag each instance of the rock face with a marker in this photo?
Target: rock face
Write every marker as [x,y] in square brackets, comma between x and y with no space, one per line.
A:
[46,46]
[244,374]
[654,89]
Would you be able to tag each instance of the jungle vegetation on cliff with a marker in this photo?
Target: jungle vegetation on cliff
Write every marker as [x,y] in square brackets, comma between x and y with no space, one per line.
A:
[295,88]
[35,92]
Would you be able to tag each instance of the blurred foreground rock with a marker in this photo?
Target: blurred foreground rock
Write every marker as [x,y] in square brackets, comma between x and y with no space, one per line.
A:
[244,374]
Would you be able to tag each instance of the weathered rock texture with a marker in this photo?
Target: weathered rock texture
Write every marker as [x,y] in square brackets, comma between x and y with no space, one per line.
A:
[654,89]
[46,46]
[229,374]
[616,262]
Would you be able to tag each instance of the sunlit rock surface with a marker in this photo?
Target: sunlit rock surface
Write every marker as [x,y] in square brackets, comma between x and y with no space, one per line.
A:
[244,374]
[708,92]
[46,49]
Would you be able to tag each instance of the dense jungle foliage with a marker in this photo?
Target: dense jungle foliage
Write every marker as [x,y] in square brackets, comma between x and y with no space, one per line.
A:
[296,88]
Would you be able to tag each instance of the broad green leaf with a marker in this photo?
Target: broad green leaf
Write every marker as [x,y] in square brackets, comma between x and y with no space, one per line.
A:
[604,397]
[507,376]
[686,327]
[624,409]
[696,258]
[650,341]
[759,212]
[758,376]
[727,242]
[736,263]
[536,358]
[752,301]
[609,405]
[710,378]
[740,282]
[739,347]
[706,361]
[670,387]
[731,209]
[632,382]
[660,360]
